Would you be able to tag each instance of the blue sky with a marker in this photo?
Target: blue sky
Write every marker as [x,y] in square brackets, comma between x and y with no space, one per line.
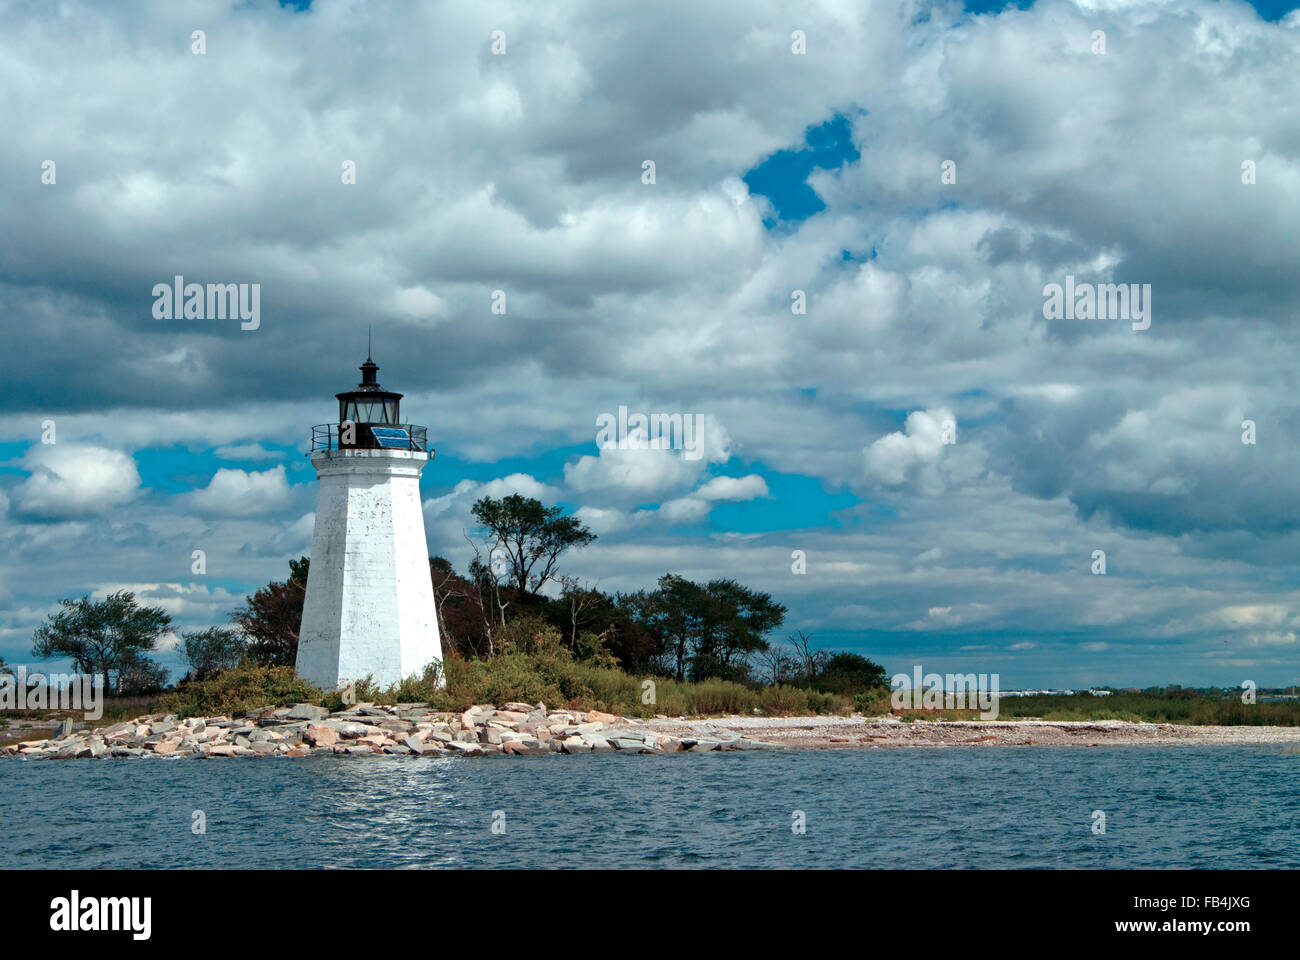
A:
[775,173]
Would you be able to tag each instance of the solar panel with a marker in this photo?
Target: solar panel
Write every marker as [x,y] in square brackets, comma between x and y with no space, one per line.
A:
[391,437]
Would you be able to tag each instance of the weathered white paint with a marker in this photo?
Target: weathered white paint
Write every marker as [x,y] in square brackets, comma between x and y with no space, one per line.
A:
[369,605]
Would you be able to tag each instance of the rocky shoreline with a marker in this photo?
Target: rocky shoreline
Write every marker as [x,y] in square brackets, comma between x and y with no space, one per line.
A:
[519,729]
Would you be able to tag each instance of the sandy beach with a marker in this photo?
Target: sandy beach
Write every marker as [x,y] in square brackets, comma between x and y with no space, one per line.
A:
[825,733]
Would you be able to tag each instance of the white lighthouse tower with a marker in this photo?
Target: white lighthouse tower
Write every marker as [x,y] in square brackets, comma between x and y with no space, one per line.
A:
[369,605]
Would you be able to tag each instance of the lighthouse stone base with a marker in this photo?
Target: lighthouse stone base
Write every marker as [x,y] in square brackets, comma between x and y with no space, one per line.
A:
[369,607]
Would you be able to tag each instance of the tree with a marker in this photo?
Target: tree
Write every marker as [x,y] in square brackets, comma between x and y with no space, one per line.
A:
[714,628]
[735,623]
[271,619]
[140,676]
[849,673]
[105,637]
[210,651]
[527,539]
[807,658]
[459,608]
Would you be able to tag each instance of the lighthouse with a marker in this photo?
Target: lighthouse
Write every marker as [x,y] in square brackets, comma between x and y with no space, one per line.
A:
[369,607]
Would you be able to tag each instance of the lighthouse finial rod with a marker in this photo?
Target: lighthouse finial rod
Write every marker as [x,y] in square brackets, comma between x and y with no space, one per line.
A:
[368,344]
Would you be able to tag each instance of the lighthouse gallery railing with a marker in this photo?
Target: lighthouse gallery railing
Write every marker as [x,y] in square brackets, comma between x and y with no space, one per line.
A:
[325,436]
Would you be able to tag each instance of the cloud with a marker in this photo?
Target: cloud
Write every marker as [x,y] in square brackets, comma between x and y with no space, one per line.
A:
[70,480]
[924,298]
[246,451]
[911,456]
[242,493]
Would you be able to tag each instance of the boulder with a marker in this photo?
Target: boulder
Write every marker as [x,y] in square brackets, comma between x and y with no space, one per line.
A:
[595,716]
[321,735]
[517,708]
[263,749]
[466,749]
[347,729]
[306,711]
[415,743]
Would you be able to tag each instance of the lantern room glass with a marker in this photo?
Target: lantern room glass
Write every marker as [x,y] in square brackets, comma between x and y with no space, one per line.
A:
[368,410]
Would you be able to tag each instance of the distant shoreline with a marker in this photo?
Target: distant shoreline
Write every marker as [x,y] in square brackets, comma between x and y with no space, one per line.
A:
[828,733]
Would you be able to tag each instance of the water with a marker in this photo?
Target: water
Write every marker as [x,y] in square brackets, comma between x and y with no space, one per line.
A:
[992,807]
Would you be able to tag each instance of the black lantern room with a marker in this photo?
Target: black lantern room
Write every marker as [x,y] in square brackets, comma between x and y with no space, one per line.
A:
[369,403]
[370,418]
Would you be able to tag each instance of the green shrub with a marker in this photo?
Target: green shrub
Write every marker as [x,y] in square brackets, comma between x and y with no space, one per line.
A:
[234,692]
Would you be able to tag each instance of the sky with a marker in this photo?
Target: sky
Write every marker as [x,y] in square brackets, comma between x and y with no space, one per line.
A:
[921,464]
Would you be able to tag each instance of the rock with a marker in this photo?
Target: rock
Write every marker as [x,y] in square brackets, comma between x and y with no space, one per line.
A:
[518,708]
[163,726]
[467,720]
[165,748]
[347,729]
[196,724]
[321,735]
[526,747]
[307,711]
[415,743]
[509,716]
[625,735]
[575,745]
[263,749]
[743,744]
[127,752]
[595,716]
[360,751]
[466,749]
[626,743]
[698,746]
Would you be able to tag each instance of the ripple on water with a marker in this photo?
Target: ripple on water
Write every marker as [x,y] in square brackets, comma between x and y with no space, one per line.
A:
[1194,806]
